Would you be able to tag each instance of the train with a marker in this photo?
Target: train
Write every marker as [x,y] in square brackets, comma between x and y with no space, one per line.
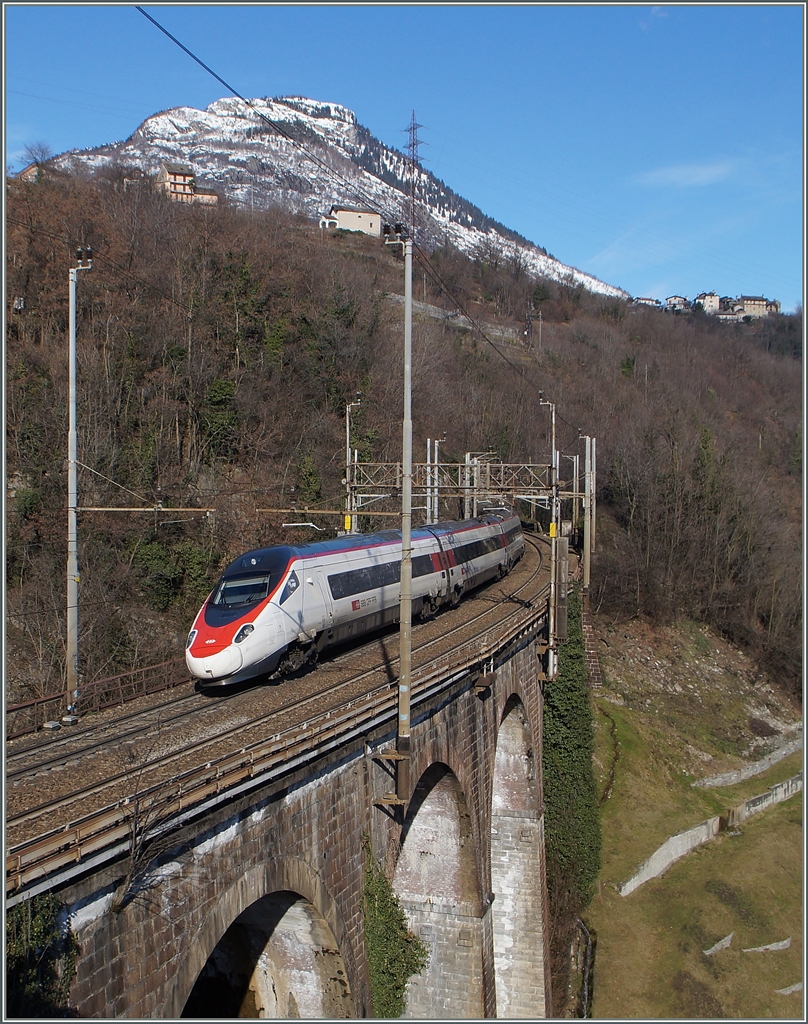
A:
[275,609]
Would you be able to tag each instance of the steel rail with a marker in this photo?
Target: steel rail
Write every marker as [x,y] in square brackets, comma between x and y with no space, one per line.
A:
[70,845]
[34,752]
[51,760]
[176,755]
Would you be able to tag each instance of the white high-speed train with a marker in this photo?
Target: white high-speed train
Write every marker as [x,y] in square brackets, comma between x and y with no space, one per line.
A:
[275,609]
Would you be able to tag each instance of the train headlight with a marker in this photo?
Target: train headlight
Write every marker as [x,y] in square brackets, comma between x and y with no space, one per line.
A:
[191,638]
[243,633]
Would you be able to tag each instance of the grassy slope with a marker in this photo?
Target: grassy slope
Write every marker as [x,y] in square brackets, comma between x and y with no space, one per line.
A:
[676,706]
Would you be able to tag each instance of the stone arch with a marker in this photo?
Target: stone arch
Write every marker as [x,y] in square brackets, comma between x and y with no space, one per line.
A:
[517,869]
[437,880]
[269,948]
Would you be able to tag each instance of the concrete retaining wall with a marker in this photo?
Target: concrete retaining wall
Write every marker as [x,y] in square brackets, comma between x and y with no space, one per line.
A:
[671,850]
[750,770]
[774,795]
[677,846]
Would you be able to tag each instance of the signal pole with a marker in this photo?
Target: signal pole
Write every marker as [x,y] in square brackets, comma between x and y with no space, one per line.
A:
[405,607]
[72,648]
[350,518]
[554,456]
[528,332]
[588,515]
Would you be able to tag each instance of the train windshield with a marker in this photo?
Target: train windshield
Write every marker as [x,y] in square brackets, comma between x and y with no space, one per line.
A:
[241,590]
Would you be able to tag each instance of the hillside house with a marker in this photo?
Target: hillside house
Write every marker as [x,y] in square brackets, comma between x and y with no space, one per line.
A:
[206,196]
[677,303]
[179,182]
[753,305]
[708,301]
[347,218]
[644,301]
[33,172]
[38,171]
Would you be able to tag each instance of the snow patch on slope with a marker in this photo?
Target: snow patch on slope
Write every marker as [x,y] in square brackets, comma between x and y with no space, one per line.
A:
[307,155]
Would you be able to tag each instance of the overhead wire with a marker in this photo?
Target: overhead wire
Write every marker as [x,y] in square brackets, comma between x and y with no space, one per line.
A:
[358,193]
[276,127]
[100,257]
[424,261]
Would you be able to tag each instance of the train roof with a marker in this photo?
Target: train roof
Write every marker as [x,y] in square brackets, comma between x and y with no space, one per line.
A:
[283,553]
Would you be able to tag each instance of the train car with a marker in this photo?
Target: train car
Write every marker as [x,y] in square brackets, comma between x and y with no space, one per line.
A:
[275,609]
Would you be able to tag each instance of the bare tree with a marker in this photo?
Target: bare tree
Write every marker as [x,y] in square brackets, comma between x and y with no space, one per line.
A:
[38,153]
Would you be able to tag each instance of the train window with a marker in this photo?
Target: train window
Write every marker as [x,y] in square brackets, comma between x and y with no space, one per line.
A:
[355,581]
[373,577]
[422,566]
[243,590]
[291,586]
[476,549]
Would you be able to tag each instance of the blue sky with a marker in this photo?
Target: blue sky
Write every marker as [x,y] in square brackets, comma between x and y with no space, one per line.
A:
[658,148]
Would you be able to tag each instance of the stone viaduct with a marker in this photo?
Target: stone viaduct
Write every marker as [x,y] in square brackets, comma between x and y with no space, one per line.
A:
[255,909]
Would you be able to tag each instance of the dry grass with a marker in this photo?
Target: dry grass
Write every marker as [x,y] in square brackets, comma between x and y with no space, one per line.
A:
[650,962]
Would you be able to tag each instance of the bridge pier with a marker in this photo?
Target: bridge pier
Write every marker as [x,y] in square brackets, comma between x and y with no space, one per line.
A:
[458,976]
[256,908]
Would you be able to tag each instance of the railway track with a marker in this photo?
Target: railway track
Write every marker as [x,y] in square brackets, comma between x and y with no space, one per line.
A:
[97,731]
[182,751]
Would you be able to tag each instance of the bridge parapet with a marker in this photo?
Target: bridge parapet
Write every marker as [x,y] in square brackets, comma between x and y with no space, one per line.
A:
[262,878]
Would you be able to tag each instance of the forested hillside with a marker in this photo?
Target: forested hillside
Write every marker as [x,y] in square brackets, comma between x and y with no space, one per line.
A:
[217,350]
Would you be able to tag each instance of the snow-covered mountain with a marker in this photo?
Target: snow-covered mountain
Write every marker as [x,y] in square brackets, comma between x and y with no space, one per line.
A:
[306,156]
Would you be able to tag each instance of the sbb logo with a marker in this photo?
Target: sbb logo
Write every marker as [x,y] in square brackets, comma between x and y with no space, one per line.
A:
[355,605]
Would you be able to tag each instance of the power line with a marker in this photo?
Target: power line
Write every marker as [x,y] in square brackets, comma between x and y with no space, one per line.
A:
[98,258]
[345,182]
[413,145]
[425,262]
[353,190]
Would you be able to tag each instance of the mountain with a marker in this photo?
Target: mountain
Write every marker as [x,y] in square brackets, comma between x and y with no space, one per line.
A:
[306,156]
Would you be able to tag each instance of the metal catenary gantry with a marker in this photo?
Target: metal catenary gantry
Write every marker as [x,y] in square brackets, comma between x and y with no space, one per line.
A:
[463,489]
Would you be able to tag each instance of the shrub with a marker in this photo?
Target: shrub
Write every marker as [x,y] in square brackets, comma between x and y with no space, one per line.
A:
[572,823]
[40,959]
[394,953]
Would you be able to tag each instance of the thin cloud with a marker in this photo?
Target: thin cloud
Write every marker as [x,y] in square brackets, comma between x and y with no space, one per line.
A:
[654,243]
[687,175]
[655,12]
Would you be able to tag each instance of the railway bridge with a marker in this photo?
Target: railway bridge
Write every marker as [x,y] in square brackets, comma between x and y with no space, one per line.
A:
[240,891]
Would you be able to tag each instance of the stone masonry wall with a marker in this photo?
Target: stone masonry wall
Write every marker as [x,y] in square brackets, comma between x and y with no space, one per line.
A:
[304,835]
[518,916]
[452,984]
[591,654]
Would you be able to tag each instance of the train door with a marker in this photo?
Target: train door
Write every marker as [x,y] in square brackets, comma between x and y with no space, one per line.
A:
[318,613]
[441,562]
[453,547]
[327,602]
[290,601]
[463,566]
